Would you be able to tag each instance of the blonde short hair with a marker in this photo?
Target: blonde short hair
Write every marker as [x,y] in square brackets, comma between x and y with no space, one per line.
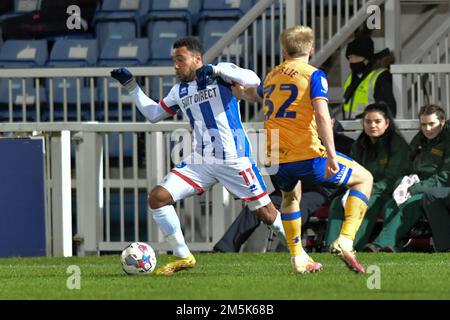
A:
[297,41]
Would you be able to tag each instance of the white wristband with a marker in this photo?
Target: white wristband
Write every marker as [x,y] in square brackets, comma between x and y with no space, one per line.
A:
[131,84]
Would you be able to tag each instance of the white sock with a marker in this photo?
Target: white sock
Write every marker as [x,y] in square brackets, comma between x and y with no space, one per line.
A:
[277,226]
[167,220]
[176,241]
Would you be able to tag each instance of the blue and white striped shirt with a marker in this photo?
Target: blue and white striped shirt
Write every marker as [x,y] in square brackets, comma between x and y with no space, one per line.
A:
[213,112]
[214,117]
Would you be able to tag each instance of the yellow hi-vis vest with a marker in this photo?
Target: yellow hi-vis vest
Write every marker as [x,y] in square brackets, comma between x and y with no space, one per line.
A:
[363,95]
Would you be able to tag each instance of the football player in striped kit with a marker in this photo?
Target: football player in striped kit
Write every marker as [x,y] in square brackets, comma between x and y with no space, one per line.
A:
[221,148]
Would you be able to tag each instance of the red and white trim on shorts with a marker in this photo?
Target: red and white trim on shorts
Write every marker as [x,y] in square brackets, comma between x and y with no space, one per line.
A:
[255,198]
[192,183]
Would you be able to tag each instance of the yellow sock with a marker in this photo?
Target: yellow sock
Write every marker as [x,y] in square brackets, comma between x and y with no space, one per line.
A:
[292,224]
[355,209]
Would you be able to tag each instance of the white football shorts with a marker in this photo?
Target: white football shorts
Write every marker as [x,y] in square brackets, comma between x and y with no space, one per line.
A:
[241,177]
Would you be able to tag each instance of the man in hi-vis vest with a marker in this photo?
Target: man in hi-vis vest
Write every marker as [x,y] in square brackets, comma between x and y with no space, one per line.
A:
[368,82]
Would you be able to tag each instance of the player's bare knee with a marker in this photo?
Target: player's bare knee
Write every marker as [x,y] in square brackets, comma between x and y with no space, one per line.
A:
[158,198]
[290,200]
[153,201]
[291,197]
[368,178]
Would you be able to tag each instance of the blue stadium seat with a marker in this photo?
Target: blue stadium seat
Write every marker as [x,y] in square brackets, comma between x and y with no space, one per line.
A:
[119,53]
[159,89]
[65,93]
[23,53]
[17,98]
[73,52]
[124,52]
[184,10]
[115,30]
[212,30]
[217,17]
[162,35]
[139,6]
[225,8]
[115,93]
[192,6]
[276,7]
[119,19]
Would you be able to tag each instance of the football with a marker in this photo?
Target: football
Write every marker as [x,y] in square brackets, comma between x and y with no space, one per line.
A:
[138,258]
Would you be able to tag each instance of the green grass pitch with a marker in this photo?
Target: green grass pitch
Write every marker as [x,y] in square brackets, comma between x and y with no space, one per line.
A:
[231,276]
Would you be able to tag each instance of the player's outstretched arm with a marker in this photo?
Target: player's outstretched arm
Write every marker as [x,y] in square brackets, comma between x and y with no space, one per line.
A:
[230,73]
[152,110]
[233,74]
[325,131]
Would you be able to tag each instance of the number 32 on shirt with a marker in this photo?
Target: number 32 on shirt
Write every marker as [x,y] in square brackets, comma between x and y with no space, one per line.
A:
[280,110]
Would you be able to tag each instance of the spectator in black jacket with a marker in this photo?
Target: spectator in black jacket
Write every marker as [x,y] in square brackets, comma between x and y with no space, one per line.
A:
[369,81]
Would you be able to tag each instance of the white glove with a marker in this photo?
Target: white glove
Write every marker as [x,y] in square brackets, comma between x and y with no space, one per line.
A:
[401,194]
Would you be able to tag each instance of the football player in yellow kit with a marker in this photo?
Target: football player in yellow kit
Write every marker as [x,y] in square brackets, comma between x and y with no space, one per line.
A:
[295,97]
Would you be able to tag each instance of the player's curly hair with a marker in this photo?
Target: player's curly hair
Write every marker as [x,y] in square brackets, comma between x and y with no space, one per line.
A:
[191,43]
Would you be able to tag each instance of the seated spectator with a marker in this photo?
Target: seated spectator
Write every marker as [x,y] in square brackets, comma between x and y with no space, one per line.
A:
[369,81]
[382,150]
[430,156]
[313,197]
[436,204]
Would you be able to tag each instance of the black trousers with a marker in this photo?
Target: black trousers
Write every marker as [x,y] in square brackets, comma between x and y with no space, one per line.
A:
[436,203]
[246,222]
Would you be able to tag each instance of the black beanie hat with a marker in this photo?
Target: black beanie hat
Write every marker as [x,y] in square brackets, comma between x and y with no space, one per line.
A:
[361,46]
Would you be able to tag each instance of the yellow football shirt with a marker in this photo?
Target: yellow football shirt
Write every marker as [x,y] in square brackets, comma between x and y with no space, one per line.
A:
[291,130]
